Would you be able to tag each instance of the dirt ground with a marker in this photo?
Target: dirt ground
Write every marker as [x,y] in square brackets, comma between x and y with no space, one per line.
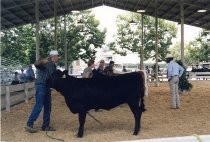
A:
[158,121]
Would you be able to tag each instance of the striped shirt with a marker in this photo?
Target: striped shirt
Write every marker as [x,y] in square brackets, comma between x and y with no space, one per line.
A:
[174,69]
[45,73]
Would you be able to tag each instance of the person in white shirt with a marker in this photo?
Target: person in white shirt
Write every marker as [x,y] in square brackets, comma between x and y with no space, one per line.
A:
[88,73]
[22,76]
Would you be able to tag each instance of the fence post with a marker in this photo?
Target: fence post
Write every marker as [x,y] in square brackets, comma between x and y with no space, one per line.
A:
[26,92]
[7,99]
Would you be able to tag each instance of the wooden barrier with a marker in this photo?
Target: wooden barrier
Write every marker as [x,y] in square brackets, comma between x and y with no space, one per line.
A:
[161,77]
[14,94]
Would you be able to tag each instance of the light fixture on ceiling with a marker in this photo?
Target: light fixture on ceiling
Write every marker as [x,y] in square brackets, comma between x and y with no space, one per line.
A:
[201,10]
[132,22]
[141,11]
[75,11]
[197,23]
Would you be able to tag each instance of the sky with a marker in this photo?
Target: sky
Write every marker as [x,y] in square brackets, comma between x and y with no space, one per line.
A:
[107,17]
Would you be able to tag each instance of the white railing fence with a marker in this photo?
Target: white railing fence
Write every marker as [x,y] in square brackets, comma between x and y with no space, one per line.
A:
[14,94]
[199,75]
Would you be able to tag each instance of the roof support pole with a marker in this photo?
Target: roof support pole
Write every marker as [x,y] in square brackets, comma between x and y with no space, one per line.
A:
[37,29]
[142,44]
[55,16]
[65,44]
[156,46]
[182,30]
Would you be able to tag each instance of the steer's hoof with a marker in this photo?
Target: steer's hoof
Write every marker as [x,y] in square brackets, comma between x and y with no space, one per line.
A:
[79,135]
[135,133]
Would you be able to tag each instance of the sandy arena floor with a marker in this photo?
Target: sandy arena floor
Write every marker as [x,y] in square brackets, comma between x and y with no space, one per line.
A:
[158,121]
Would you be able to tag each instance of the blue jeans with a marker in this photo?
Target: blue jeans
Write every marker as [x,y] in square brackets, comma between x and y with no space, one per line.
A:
[43,99]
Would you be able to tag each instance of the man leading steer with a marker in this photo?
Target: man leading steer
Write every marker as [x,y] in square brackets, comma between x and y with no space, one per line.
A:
[45,69]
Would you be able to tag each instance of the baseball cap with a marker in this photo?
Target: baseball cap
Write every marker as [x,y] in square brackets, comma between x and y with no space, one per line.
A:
[53,53]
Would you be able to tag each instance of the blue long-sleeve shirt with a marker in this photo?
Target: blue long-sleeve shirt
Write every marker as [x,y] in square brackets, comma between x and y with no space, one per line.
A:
[174,69]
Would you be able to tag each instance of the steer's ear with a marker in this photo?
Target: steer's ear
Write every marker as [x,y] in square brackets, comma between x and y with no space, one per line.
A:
[65,72]
[58,74]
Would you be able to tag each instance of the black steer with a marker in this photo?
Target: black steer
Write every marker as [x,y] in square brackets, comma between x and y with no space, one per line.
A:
[104,92]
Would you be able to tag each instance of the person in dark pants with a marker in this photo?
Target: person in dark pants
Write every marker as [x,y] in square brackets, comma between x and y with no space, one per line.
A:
[45,68]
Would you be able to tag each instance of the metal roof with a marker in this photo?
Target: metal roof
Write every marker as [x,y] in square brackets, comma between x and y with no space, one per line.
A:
[19,12]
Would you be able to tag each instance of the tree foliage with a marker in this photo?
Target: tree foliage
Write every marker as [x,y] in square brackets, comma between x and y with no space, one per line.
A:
[19,43]
[199,49]
[129,39]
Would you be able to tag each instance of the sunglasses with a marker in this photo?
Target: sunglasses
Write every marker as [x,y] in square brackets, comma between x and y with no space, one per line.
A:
[101,62]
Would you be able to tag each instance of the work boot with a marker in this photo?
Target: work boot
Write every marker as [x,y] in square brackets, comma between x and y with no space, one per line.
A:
[30,129]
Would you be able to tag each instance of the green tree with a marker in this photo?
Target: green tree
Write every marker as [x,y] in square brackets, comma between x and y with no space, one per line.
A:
[199,49]
[16,43]
[83,40]
[129,39]
[19,43]
[175,50]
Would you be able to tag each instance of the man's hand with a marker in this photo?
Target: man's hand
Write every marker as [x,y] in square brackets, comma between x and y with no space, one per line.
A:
[39,63]
[44,61]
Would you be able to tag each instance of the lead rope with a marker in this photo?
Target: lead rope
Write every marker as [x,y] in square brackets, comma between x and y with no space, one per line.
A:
[54,137]
[94,118]
[51,90]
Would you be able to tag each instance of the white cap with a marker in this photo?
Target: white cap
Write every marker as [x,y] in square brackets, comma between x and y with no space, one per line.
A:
[53,53]
[169,56]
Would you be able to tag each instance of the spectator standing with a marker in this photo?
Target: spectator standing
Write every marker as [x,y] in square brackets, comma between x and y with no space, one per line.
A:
[124,69]
[147,70]
[45,69]
[100,68]
[109,69]
[88,73]
[22,77]
[30,76]
[174,71]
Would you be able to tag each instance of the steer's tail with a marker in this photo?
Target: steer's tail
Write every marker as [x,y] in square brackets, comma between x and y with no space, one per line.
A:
[142,91]
[142,106]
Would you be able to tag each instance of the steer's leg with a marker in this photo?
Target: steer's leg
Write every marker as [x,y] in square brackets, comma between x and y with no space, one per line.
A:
[82,117]
[134,106]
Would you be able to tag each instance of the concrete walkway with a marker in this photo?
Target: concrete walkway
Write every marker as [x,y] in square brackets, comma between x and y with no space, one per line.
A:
[193,138]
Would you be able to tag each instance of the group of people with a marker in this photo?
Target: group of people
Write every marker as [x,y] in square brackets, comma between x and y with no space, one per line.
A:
[90,70]
[46,67]
[28,76]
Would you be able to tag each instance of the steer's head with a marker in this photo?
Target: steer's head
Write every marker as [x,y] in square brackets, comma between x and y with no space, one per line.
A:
[57,74]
